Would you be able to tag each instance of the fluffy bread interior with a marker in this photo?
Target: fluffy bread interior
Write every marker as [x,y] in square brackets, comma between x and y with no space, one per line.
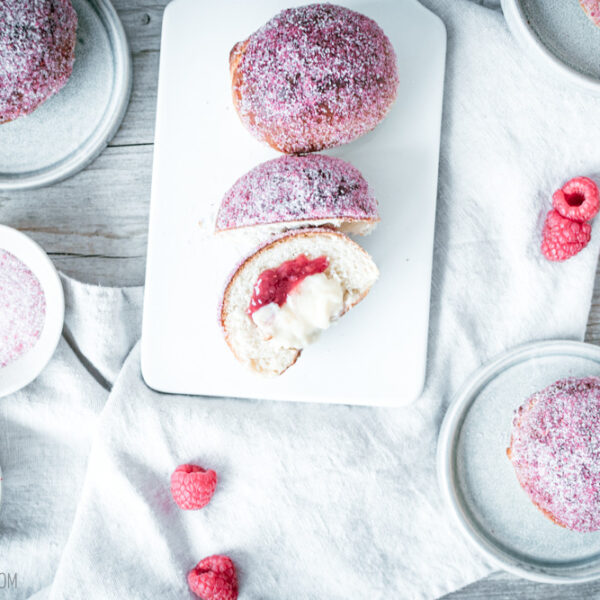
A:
[349,264]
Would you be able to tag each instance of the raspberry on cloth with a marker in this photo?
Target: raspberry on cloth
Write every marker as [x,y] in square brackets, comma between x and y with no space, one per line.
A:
[563,238]
[192,487]
[214,578]
[577,200]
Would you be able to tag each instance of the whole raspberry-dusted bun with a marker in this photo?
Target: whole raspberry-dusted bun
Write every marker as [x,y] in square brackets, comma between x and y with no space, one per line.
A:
[555,450]
[313,77]
[37,51]
[299,191]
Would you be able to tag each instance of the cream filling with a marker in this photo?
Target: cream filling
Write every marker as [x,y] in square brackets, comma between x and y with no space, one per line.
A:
[308,310]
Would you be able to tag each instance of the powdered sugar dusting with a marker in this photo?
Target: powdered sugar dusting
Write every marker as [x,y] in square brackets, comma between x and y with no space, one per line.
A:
[315,77]
[37,43]
[555,449]
[22,308]
[297,188]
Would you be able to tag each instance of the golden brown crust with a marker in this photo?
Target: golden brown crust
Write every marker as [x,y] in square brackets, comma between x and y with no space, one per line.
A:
[235,57]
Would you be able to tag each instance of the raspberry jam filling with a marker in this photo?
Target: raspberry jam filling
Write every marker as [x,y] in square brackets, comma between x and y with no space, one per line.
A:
[274,285]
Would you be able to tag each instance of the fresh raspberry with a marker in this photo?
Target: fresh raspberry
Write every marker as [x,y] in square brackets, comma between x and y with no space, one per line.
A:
[214,578]
[192,487]
[577,200]
[563,238]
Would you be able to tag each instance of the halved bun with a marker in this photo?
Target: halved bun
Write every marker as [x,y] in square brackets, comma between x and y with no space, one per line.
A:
[349,265]
[294,192]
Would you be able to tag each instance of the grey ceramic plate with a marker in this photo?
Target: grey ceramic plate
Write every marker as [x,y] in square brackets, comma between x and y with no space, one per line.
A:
[558,35]
[479,483]
[71,128]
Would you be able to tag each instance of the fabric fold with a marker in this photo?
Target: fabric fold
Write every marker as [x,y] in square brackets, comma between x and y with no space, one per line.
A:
[46,431]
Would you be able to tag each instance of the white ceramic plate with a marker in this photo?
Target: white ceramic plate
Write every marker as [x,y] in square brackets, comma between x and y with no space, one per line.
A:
[25,369]
[479,483]
[559,36]
[376,354]
[72,127]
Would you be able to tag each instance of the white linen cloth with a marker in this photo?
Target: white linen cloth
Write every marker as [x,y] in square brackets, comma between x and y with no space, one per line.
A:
[313,501]
[46,431]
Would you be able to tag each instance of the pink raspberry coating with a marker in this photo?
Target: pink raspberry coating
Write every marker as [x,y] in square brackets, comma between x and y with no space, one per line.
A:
[298,188]
[592,10]
[577,200]
[192,487]
[22,308]
[37,51]
[214,578]
[314,77]
[563,238]
[554,448]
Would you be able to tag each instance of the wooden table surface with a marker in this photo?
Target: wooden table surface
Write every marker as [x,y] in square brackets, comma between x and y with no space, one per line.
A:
[94,227]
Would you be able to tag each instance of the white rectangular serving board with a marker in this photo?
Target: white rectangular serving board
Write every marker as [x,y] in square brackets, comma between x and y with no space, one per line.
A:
[376,354]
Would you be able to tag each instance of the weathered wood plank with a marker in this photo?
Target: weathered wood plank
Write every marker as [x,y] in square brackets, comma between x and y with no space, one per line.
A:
[138,124]
[142,21]
[102,270]
[99,214]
